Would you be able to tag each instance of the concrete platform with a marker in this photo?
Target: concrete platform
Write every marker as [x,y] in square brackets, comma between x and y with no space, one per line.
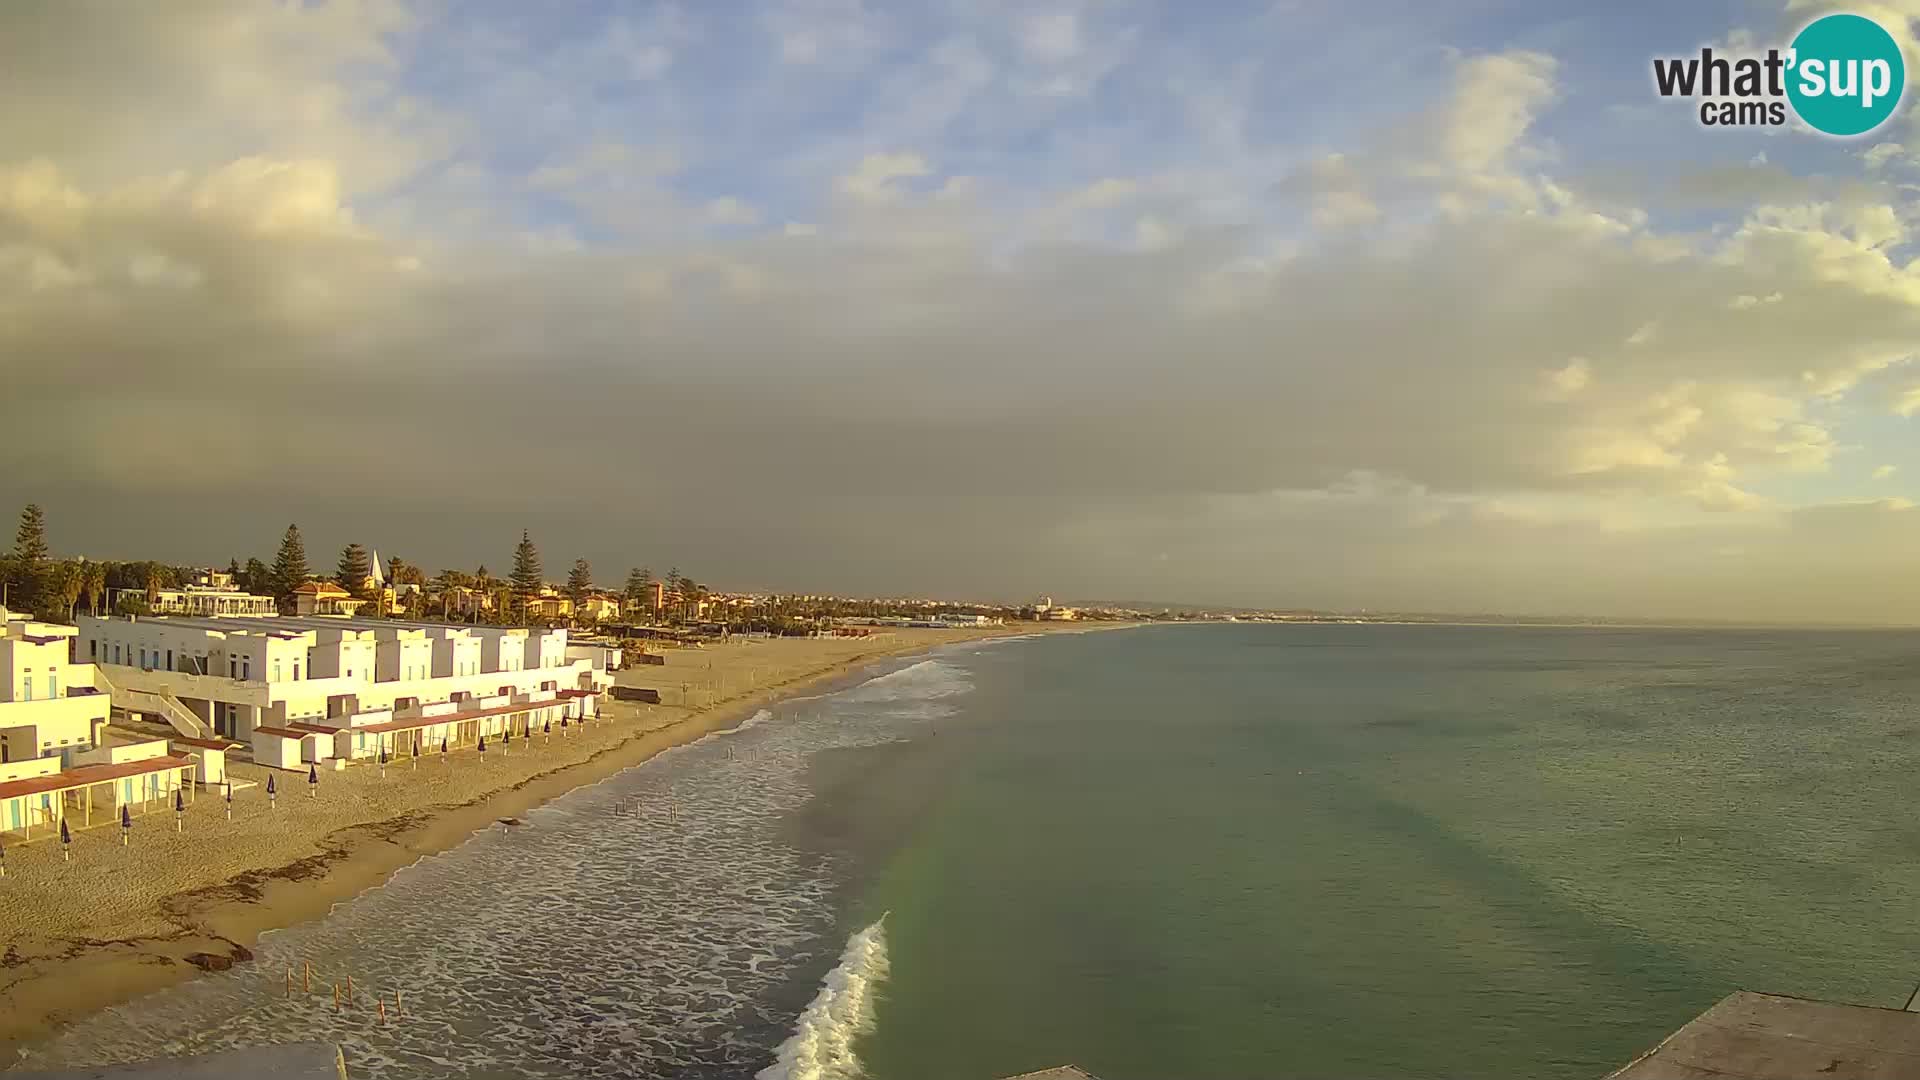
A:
[298,1061]
[1750,1036]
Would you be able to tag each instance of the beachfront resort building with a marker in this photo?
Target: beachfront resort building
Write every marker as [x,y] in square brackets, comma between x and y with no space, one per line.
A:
[54,757]
[311,689]
[49,706]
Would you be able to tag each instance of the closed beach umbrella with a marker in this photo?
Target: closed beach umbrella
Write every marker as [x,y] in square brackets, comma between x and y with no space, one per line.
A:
[3,860]
[383,759]
[66,838]
[483,744]
[506,740]
[126,826]
[229,800]
[270,791]
[443,749]
[179,810]
[547,728]
[313,780]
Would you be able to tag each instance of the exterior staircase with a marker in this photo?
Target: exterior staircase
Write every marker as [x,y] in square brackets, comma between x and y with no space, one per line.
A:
[159,703]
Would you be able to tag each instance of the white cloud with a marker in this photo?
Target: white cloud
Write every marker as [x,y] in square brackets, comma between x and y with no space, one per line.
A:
[1052,36]
[873,179]
[1885,472]
[1495,103]
[728,210]
[1565,383]
[1881,154]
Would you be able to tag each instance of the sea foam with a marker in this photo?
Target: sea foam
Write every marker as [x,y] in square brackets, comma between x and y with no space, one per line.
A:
[821,1046]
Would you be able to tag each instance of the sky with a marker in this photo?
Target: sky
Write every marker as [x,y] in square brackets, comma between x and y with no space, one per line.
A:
[1383,304]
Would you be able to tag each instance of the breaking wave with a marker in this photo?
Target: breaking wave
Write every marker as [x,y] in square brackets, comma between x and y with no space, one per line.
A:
[821,1046]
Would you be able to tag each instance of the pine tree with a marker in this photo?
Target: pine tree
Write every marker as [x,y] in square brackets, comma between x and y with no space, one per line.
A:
[579,583]
[640,585]
[30,543]
[526,577]
[26,570]
[676,586]
[355,569]
[290,567]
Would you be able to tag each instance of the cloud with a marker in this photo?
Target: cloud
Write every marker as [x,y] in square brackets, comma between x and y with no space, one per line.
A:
[873,179]
[1496,101]
[1050,36]
[1426,364]
[1885,472]
[728,210]
[1881,154]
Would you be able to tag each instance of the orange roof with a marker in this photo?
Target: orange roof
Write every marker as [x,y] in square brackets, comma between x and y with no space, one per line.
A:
[92,774]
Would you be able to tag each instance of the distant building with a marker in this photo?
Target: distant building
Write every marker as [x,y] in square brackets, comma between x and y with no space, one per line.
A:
[212,593]
[325,598]
[598,609]
[549,605]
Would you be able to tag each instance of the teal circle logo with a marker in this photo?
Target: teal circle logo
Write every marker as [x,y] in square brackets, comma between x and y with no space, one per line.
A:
[1847,75]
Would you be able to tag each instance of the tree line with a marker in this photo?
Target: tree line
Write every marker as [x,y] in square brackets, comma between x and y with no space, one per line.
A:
[53,589]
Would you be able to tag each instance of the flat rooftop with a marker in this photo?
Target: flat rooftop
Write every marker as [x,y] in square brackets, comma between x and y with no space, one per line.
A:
[1750,1036]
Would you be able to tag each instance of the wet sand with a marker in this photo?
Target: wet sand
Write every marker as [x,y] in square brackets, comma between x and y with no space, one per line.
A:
[117,922]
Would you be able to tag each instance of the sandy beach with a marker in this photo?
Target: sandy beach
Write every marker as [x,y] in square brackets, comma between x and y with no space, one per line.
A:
[120,921]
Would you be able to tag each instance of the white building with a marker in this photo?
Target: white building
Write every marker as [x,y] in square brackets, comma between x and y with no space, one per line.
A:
[227,677]
[212,593]
[49,705]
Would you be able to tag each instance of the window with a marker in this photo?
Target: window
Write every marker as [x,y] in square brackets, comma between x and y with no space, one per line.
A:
[26,689]
[233,668]
[116,654]
[169,659]
[93,649]
[296,671]
[53,685]
[276,671]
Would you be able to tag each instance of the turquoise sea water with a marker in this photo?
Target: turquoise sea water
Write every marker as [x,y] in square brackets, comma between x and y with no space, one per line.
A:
[1175,852]
[1380,851]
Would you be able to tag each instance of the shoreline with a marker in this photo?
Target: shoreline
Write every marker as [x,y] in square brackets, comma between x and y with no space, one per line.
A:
[63,977]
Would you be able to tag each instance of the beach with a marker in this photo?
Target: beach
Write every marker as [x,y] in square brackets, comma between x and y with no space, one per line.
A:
[119,921]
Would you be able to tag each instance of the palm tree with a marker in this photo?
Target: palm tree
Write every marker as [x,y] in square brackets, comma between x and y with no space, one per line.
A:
[95,585]
[66,580]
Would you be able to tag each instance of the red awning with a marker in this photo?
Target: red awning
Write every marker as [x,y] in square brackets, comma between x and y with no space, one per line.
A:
[92,774]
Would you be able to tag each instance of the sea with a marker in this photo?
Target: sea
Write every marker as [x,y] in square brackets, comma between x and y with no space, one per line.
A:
[1166,853]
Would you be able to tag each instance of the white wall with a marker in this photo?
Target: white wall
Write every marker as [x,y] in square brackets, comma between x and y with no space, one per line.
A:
[403,659]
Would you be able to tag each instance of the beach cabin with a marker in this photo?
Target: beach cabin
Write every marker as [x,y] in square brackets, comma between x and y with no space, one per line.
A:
[293,747]
[210,756]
